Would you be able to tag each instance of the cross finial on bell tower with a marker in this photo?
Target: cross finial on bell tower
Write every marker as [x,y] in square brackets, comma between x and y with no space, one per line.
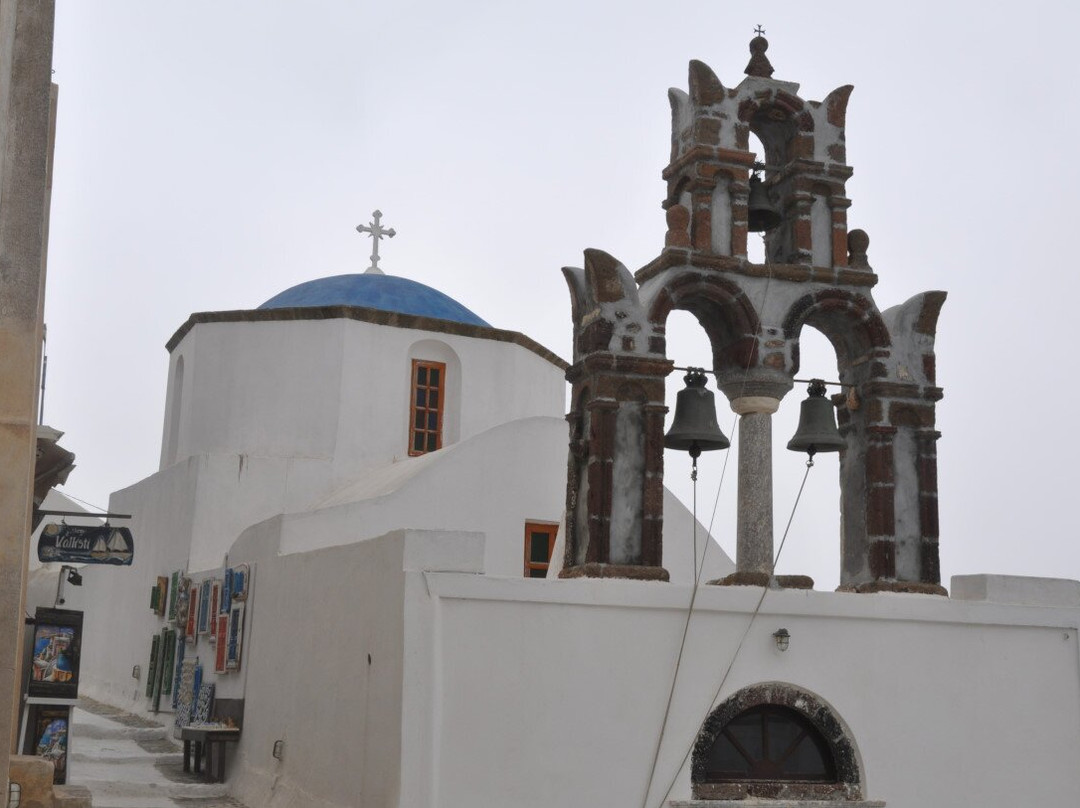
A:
[376,231]
[759,63]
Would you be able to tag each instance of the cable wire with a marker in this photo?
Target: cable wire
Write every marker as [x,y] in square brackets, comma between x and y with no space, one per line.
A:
[746,632]
[698,571]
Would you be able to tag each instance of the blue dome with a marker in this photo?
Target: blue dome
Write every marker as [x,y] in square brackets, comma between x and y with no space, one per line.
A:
[385,292]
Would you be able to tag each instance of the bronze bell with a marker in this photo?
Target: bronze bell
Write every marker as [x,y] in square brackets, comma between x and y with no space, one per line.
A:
[694,428]
[761,213]
[817,430]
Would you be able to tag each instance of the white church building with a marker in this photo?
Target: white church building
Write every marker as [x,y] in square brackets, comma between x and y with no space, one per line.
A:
[436,618]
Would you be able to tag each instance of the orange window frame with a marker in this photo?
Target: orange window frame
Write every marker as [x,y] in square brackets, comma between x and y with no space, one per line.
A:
[427,394]
[533,532]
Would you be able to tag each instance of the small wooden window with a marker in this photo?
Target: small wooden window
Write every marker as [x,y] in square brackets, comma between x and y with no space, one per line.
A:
[426,408]
[539,544]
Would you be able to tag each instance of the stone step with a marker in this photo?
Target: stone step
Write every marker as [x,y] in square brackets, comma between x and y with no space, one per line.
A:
[165,802]
[142,778]
[120,731]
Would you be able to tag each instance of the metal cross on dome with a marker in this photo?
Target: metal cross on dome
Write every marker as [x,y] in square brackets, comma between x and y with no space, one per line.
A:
[376,231]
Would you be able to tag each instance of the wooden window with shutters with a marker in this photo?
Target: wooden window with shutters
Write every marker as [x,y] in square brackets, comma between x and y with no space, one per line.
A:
[426,409]
[539,544]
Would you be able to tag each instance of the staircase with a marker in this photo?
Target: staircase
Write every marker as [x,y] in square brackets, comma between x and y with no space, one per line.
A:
[130,761]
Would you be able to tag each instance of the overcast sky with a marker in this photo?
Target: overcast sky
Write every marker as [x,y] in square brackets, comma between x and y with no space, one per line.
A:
[212,154]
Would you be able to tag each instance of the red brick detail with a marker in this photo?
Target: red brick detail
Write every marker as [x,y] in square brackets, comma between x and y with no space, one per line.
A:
[930,565]
[706,131]
[836,105]
[701,235]
[928,317]
[678,222]
[883,559]
[879,463]
[705,87]
[652,542]
[920,416]
[839,239]
[602,276]
[929,364]
[928,517]
[880,511]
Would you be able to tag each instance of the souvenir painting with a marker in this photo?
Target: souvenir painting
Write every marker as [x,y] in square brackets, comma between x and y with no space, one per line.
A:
[178,672]
[163,594]
[185,692]
[192,614]
[168,660]
[204,704]
[153,669]
[47,736]
[204,606]
[182,596]
[226,591]
[215,607]
[173,591]
[241,581]
[155,594]
[236,637]
[54,667]
[222,647]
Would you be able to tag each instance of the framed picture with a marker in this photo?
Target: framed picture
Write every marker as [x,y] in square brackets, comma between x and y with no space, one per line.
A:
[192,614]
[215,607]
[47,733]
[173,589]
[235,638]
[222,644]
[168,660]
[154,668]
[226,591]
[204,607]
[163,595]
[241,580]
[183,594]
[54,666]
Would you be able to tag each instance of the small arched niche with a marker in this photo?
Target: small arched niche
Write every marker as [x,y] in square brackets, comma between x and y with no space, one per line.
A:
[775,741]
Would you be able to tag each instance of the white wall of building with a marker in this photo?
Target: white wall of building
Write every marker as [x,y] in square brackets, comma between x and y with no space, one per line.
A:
[338,390]
[948,702]
[525,692]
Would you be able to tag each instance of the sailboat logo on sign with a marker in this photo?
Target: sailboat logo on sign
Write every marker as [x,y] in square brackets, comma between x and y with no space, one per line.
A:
[86,544]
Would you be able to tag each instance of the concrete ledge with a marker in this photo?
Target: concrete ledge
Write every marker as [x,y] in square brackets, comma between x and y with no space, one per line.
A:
[1017,590]
[72,797]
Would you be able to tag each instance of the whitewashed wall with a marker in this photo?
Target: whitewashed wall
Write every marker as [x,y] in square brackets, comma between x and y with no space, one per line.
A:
[339,390]
[489,691]
[950,703]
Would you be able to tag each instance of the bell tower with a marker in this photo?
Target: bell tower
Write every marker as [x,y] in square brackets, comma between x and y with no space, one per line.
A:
[804,168]
[816,273]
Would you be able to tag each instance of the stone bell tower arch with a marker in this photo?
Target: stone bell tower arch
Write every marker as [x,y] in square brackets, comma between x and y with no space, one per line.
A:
[816,273]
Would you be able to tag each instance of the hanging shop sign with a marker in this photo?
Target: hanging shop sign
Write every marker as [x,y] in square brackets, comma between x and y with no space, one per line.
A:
[86,544]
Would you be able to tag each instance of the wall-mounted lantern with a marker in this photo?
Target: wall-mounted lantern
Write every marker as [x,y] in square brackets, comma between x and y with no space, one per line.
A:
[782,638]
